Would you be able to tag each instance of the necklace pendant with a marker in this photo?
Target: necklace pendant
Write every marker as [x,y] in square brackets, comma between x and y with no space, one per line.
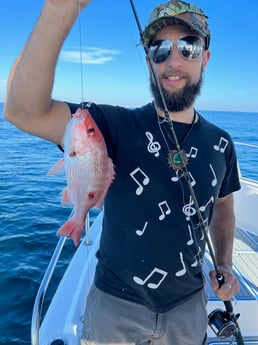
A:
[177,159]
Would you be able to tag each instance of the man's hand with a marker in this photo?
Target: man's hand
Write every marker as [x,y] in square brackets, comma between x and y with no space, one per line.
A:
[229,288]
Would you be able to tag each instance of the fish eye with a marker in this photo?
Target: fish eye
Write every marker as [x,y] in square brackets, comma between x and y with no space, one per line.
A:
[90,130]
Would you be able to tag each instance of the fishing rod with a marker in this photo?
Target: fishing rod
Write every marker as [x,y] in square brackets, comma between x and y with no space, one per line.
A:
[224,324]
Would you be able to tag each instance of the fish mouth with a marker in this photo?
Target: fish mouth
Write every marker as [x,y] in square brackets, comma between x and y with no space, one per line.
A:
[80,114]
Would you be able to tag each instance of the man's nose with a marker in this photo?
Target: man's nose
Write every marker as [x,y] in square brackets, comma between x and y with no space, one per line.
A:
[175,59]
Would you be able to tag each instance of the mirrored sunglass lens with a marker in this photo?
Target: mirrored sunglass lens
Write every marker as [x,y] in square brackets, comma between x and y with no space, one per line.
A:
[160,50]
[190,47]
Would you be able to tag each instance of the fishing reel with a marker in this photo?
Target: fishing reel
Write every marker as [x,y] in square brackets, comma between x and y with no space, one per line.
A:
[223,323]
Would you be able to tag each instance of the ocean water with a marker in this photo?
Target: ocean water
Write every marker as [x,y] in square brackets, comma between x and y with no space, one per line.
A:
[31,213]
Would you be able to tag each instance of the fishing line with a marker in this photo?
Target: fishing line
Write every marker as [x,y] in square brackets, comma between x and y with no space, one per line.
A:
[128,27]
[151,64]
[87,240]
[184,171]
[137,44]
[81,52]
[87,220]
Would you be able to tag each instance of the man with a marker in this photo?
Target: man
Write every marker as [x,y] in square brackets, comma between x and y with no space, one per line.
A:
[148,286]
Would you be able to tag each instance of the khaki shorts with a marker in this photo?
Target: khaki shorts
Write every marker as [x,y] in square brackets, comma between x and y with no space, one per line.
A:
[113,321]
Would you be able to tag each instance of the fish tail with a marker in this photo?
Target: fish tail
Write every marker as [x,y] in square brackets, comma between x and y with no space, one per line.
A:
[72,228]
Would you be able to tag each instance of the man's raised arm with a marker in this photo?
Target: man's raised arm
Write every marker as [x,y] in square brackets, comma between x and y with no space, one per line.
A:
[29,105]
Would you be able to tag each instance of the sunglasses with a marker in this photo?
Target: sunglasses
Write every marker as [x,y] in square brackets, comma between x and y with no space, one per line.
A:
[189,47]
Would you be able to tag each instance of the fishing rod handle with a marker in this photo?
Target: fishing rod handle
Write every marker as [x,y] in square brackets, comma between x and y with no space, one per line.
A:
[228,304]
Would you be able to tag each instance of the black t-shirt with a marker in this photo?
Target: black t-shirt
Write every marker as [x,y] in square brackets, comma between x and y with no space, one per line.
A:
[151,249]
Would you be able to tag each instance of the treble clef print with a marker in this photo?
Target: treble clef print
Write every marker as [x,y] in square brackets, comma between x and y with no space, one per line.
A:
[153,146]
[189,210]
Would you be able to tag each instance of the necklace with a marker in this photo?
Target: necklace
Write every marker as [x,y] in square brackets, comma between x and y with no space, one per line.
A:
[178,159]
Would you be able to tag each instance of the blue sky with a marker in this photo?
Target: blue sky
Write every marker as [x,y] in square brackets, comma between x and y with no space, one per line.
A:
[114,69]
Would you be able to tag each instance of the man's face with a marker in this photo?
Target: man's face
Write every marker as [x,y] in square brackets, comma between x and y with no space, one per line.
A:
[180,79]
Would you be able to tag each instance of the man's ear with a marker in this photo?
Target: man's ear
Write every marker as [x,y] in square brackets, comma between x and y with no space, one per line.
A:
[206,58]
[147,61]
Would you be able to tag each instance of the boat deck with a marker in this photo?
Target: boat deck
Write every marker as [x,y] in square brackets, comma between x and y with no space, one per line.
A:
[245,303]
[245,259]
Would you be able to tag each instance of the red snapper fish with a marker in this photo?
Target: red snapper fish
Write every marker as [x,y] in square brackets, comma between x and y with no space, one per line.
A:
[88,169]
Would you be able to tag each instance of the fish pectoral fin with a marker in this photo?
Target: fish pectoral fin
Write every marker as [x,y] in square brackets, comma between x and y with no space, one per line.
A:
[66,200]
[57,168]
[100,202]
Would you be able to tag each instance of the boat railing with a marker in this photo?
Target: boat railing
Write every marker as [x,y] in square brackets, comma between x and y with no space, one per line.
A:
[37,309]
[245,144]
[247,342]
[240,143]
[39,300]
[242,158]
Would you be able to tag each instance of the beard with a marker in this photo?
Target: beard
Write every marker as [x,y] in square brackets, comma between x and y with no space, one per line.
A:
[177,100]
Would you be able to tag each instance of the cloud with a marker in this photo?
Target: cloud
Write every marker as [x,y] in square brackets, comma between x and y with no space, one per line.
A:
[90,56]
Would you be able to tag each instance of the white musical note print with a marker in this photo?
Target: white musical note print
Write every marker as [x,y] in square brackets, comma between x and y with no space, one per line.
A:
[193,152]
[177,177]
[189,210]
[145,180]
[152,285]
[192,180]
[195,264]
[223,143]
[190,242]
[181,272]
[153,146]
[165,210]
[203,208]
[141,232]
[214,181]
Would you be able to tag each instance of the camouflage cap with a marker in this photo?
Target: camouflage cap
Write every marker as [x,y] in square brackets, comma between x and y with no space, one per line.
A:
[177,12]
